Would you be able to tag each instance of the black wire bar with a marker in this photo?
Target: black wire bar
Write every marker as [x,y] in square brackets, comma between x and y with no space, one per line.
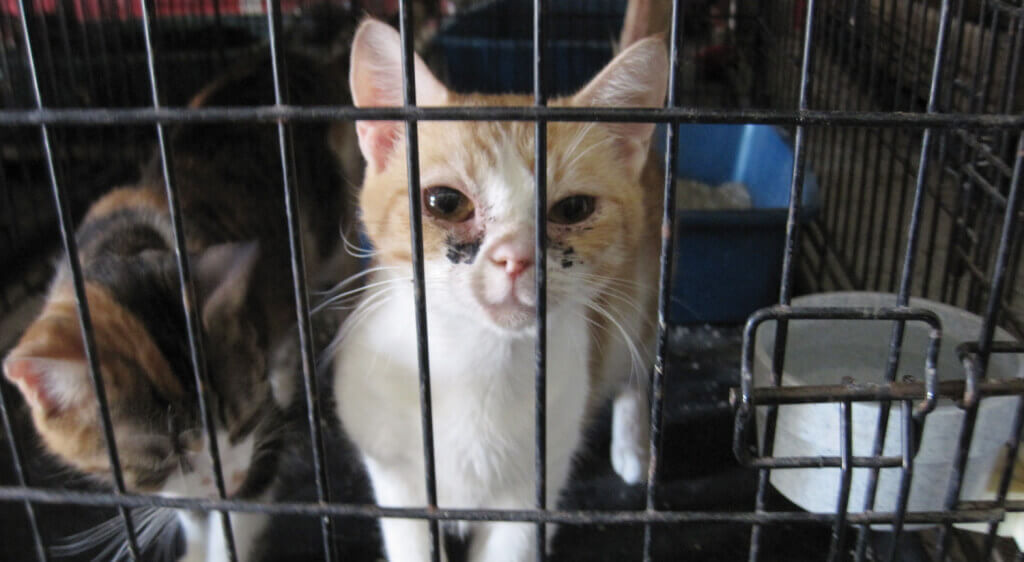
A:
[19,477]
[67,233]
[13,443]
[188,295]
[786,283]
[540,175]
[298,263]
[967,512]
[836,545]
[419,292]
[750,397]
[657,382]
[976,361]
[846,393]
[903,299]
[101,117]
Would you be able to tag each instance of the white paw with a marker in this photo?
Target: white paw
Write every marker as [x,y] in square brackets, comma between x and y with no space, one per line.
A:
[629,461]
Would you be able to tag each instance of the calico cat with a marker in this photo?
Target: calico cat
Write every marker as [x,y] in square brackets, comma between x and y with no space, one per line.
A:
[478,239]
[228,178]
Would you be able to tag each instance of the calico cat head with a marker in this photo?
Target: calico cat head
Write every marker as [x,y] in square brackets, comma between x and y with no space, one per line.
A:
[140,334]
[478,186]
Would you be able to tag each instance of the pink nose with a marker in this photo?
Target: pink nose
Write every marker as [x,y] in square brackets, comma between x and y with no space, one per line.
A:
[513,258]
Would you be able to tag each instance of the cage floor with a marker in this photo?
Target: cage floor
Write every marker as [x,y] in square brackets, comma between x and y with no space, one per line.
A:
[699,473]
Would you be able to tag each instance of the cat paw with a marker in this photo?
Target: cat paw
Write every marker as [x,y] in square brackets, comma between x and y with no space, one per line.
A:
[629,462]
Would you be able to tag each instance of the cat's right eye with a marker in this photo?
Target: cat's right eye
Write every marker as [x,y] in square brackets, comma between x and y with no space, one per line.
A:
[447,204]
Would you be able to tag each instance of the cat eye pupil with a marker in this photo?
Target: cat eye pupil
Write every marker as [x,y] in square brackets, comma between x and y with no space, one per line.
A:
[448,204]
[572,209]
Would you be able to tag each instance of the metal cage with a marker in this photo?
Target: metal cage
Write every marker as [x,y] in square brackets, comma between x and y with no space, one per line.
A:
[908,110]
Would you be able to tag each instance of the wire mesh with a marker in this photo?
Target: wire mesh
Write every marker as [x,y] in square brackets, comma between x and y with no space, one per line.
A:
[907,110]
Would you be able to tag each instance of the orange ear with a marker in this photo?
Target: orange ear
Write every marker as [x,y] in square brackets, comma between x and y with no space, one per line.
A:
[375,80]
[638,77]
[50,386]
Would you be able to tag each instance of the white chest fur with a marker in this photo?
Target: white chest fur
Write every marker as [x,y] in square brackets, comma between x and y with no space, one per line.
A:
[483,409]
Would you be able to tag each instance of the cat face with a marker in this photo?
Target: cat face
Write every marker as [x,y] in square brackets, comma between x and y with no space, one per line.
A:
[477,181]
[142,346]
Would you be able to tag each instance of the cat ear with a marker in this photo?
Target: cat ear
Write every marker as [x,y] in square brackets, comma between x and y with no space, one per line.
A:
[375,79]
[223,274]
[636,78]
[49,385]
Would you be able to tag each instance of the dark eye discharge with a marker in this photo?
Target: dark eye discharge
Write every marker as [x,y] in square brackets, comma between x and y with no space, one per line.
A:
[572,209]
[447,204]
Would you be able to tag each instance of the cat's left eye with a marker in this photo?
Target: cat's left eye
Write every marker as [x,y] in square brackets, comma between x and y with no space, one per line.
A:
[572,209]
[447,204]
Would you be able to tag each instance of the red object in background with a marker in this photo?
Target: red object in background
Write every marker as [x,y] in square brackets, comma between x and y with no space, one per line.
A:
[94,10]
[713,61]
[799,13]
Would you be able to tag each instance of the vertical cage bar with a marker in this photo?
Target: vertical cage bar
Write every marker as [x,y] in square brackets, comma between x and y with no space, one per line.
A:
[999,274]
[932,107]
[903,295]
[540,175]
[985,340]
[194,330]
[788,260]
[300,292]
[951,281]
[838,542]
[876,183]
[67,233]
[416,228]
[982,226]
[906,474]
[668,220]
[883,236]
[19,478]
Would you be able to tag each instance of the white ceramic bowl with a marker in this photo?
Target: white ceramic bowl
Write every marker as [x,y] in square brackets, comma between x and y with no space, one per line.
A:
[825,351]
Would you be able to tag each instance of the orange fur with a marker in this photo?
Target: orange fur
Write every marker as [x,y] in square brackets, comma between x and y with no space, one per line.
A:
[74,432]
[623,244]
[127,197]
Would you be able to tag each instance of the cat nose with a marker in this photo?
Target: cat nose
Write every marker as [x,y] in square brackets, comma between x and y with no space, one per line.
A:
[513,258]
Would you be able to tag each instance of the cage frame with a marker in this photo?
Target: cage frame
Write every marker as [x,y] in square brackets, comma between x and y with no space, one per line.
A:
[932,122]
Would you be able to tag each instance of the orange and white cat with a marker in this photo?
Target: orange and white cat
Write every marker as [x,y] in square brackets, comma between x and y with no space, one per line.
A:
[478,237]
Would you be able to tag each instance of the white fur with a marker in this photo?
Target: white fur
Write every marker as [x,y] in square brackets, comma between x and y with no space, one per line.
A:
[204,536]
[483,390]
[481,328]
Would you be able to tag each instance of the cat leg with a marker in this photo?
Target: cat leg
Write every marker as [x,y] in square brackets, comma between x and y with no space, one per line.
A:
[193,527]
[631,433]
[246,529]
[405,540]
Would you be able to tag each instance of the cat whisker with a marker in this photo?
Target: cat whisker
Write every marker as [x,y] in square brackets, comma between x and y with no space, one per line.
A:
[591,333]
[588,149]
[352,278]
[361,311]
[355,250]
[340,286]
[581,133]
[341,296]
[637,362]
[350,300]
[152,526]
[610,279]
[617,294]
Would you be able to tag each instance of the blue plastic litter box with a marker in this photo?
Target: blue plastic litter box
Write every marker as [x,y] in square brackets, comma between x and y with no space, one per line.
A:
[728,263]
